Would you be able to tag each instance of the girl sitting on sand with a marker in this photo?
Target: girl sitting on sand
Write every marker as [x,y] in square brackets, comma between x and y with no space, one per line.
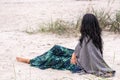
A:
[86,58]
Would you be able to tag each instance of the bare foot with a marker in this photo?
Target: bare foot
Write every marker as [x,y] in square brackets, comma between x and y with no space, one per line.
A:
[24,60]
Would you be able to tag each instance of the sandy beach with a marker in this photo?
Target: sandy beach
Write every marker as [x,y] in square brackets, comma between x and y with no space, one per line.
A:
[17,16]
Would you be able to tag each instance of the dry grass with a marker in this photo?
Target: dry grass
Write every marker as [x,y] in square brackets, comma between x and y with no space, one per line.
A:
[61,27]
[108,21]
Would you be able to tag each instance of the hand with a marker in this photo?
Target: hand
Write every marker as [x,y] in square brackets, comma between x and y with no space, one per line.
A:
[73,59]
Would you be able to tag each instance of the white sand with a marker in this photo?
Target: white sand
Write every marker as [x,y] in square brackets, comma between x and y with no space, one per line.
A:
[14,44]
[17,15]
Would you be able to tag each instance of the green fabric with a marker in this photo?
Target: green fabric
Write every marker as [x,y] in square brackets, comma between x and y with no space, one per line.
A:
[57,57]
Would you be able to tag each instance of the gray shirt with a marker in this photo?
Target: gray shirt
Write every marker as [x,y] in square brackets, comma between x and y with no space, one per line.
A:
[91,59]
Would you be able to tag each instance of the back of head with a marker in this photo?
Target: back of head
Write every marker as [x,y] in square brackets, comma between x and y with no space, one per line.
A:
[90,28]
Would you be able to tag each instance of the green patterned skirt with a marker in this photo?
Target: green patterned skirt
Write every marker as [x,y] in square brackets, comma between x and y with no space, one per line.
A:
[57,57]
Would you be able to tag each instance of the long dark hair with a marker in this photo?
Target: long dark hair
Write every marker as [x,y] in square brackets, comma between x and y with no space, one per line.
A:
[90,28]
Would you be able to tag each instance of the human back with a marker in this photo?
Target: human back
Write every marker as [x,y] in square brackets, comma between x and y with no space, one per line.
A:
[90,28]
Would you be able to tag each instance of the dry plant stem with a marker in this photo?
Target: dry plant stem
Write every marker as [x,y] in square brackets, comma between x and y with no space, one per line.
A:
[24,60]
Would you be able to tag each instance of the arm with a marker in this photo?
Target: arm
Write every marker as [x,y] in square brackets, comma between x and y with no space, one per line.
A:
[75,54]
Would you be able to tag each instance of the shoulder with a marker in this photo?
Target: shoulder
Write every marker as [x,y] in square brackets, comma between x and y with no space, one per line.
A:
[87,41]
